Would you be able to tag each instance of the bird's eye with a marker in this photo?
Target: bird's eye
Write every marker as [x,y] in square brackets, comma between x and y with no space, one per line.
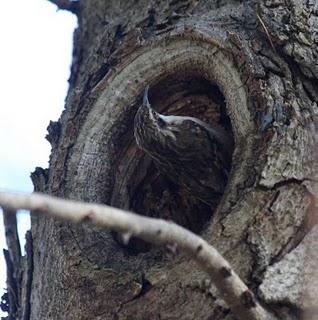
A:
[161,122]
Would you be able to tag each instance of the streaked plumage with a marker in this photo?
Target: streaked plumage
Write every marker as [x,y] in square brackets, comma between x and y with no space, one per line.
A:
[192,153]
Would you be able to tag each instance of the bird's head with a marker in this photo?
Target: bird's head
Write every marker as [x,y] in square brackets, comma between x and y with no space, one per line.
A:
[150,116]
[149,125]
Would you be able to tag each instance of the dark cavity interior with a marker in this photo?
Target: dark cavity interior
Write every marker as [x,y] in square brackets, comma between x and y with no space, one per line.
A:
[149,192]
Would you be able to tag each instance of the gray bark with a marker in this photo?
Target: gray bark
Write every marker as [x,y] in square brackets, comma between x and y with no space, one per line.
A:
[250,66]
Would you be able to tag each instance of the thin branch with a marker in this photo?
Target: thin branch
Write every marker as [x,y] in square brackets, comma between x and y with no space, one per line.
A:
[266,31]
[232,289]
[69,5]
[12,238]
[12,286]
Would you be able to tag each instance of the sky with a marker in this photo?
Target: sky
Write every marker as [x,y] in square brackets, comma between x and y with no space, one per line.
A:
[35,57]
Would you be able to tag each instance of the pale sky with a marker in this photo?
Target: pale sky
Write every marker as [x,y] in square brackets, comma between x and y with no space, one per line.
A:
[35,57]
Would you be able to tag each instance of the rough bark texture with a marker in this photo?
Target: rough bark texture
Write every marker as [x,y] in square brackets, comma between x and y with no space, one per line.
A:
[251,67]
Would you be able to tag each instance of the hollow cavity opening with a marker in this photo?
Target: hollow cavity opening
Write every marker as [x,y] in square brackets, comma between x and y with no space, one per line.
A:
[149,191]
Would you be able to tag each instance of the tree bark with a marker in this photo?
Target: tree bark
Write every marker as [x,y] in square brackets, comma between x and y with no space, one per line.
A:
[251,67]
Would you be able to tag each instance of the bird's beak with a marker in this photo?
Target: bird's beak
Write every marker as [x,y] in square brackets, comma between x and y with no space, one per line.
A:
[145,101]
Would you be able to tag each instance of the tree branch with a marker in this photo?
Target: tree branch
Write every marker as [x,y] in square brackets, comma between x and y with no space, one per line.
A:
[13,261]
[69,5]
[232,289]
[11,234]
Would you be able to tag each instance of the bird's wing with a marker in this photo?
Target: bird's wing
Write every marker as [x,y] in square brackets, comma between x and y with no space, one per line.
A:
[197,130]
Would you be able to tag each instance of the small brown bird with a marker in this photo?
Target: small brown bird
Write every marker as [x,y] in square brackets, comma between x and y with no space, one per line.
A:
[190,152]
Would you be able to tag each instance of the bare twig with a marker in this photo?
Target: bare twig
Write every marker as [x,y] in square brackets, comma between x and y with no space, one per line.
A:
[13,260]
[11,234]
[266,31]
[236,294]
[69,5]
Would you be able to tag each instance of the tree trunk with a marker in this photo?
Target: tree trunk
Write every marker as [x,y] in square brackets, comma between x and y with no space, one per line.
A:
[251,67]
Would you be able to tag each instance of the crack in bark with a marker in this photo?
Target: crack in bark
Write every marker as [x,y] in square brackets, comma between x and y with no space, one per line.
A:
[283,183]
[276,195]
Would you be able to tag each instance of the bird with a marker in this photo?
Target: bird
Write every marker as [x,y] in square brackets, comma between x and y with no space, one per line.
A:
[191,153]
